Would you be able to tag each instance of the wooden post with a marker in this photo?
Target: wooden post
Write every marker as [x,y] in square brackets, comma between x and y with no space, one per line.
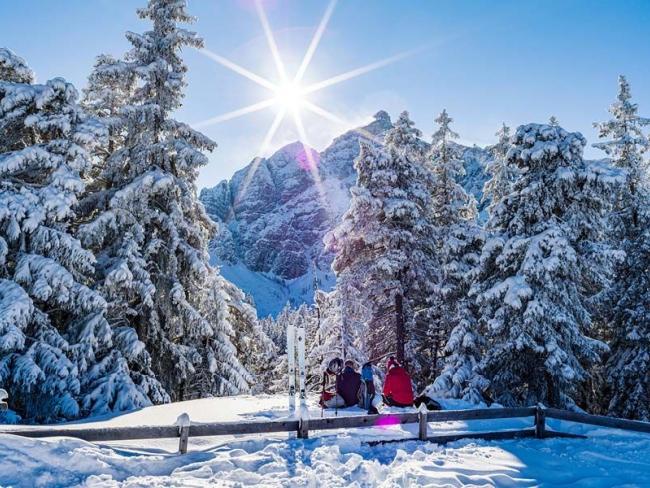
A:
[183,423]
[303,428]
[185,437]
[3,403]
[540,422]
[423,433]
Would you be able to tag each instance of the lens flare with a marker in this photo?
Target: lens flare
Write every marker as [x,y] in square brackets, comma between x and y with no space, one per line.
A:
[308,159]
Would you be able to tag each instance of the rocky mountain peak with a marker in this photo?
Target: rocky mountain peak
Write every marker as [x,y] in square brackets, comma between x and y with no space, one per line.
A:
[272,215]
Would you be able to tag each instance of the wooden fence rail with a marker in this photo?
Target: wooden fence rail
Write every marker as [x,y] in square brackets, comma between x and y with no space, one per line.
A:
[601,420]
[184,429]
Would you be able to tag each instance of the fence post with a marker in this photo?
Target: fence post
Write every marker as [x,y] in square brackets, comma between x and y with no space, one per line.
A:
[423,424]
[183,422]
[3,400]
[303,428]
[540,421]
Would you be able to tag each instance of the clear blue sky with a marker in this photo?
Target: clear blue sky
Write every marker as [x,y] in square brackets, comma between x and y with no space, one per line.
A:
[486,61]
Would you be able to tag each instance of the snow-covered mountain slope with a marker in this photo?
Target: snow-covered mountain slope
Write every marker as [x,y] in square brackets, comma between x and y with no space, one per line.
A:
[608,457]
[273,215]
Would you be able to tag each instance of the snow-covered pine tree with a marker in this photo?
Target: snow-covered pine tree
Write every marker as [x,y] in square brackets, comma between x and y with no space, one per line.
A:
[257,351]
[123,279]
[272,330]
[625,306]
[625,144]
[55,344]
[352,242]
[110,87]
[545,256]
[151,234]
[502,175]
[279,382]
[455,246]
[334,337]
[376,244]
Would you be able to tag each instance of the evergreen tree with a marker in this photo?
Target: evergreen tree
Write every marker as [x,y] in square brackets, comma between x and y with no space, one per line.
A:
[272,330]
[502,175]
[376,244]
[625,144]
[151,232]
[280,381]
[257,351]
[123,278]
[332,338]
[545,257]
[456,243]
[55,344]
[352,242]
[625,308]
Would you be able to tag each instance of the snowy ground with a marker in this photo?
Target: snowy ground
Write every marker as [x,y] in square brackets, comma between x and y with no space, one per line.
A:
[607,458]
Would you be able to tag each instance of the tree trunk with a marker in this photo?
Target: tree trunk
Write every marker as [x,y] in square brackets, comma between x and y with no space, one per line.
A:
[399,327]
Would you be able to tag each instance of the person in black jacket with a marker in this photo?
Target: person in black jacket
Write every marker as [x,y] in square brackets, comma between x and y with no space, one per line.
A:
[346,391]
[348,384]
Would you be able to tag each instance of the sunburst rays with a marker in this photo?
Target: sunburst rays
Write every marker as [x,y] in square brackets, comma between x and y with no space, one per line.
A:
[289,95]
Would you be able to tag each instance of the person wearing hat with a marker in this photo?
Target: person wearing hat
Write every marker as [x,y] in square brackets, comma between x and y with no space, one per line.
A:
[346,393]
[348,384]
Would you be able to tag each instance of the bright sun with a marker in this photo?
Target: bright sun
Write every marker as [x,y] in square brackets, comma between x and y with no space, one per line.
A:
[290,96]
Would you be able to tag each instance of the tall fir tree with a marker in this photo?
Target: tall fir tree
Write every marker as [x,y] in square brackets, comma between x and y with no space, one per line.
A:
[625,307]
[151,233]
[122,279]
[502,175]
[456,242]
[377,246]
[546,255]
[56,347]
[352,242]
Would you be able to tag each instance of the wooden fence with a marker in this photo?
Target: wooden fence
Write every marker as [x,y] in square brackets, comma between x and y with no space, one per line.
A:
[302,427]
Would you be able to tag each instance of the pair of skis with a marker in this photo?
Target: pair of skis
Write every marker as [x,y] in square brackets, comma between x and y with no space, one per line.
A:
[296,347]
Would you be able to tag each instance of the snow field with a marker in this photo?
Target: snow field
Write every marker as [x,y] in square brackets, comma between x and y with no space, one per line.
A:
[607,458]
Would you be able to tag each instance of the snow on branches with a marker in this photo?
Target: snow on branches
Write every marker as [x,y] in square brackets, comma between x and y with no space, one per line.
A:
[546,255]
